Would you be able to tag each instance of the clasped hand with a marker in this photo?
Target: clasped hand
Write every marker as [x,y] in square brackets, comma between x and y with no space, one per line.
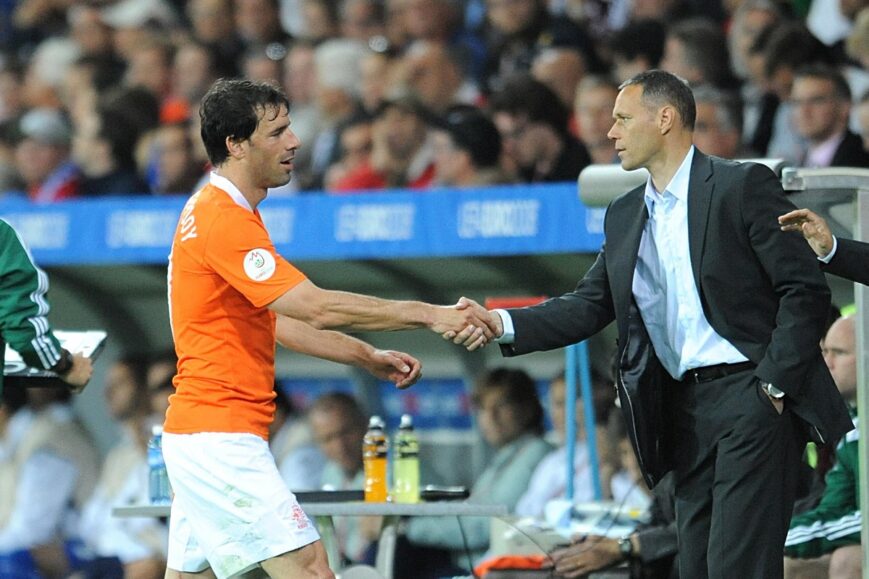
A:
[470,325]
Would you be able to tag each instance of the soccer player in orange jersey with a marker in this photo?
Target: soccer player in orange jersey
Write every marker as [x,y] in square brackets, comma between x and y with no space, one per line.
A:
[231,297]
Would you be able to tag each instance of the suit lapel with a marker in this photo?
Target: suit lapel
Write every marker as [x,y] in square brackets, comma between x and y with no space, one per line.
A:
[623,247]
[700,190]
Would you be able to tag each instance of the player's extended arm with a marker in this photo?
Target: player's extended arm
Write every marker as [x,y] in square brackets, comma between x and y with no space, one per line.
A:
[323,308]
[401,369]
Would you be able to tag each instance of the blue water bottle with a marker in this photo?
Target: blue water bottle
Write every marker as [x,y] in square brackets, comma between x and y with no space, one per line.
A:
[158,480]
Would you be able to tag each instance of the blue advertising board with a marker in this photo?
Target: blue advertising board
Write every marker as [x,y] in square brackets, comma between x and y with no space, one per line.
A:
[508,220]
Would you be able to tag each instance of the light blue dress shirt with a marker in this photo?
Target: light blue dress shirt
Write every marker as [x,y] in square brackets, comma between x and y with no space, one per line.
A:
[664,286]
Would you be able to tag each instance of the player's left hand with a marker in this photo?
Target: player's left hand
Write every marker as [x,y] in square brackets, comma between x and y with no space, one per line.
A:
[401,369]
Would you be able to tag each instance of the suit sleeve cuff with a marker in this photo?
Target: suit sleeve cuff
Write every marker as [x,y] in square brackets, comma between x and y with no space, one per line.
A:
[509,334]
[827,258]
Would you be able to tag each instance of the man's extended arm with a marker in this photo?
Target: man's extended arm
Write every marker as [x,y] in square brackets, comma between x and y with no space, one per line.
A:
[842,257]
[323,308]
[399,368]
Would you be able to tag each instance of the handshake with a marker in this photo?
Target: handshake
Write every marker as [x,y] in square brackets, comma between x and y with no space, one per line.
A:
[467,323]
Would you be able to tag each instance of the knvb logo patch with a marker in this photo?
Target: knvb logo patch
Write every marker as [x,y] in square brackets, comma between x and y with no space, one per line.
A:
[259,264]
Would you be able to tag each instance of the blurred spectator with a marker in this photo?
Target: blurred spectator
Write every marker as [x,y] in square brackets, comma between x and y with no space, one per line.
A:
[137,23]
[263,64]
[433,73]
[49,469]
[320,19]
[510,418]
[821,101]
[401,154]
[298,459]
[150,67]
[177,171]
[518,30]
[354,149]
[379,76]
[761,108]
[652,547]
[86,80]
[549,480]
[790,46]
[213,25]
[362,20]
[637,47]
[750,29]
[45,72]
[300,84]
[824,542]
[338,424]
[103,148]
[258,23]
[696,50]
[595,99]
[11,97]
[10,182]
[560,69]
[749,20]
[194,70]
[718,125]
[666,11]
[338,79]
[124,547]
[467,149]
[158,377]
[90,32]
[863,116]
[42,156]
[857,44]
[534,128]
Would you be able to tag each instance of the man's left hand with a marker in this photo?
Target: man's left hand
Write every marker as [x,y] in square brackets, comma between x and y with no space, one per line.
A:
[581,558]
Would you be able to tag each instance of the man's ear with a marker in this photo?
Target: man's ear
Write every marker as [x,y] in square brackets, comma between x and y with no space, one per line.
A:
[667,119]
[235,148]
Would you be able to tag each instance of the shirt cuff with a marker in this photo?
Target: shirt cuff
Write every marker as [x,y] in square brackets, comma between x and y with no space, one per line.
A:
[827,258]
[509,334]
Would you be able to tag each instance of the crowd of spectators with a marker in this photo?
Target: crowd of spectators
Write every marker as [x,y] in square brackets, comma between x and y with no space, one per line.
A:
[100,97]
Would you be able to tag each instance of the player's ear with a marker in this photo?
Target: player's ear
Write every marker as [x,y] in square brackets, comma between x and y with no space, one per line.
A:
[235,147]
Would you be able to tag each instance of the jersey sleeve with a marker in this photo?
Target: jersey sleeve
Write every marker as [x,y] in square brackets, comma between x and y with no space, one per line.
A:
[240,250]
[23,306]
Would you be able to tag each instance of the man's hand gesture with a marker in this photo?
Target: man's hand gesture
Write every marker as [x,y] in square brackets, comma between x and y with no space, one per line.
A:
[812,226]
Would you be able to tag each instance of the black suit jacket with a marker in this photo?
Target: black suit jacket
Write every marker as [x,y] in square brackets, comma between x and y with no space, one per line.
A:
[760,289]
[850,152]
[850,261]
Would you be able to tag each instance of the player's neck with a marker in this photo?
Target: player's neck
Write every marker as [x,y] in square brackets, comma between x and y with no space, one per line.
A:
[243,181]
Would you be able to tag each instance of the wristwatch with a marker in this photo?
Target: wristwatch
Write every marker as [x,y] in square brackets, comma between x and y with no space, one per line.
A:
[771,390]
[626,547]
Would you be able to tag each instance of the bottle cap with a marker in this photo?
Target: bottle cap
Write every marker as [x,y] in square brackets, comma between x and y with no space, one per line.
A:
[406,421]
[157,430]
[375,422]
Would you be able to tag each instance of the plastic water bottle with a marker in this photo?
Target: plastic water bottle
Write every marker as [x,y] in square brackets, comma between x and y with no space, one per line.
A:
[406,468]
[158,480]
[375,447]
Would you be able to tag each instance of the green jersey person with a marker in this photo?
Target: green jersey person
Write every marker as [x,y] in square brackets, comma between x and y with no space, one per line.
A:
[23,310]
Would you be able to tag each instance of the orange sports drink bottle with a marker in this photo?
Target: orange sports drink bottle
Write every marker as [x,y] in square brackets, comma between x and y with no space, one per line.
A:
[375,447]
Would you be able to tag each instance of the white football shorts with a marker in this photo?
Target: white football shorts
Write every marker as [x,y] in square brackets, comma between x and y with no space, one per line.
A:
[231,508]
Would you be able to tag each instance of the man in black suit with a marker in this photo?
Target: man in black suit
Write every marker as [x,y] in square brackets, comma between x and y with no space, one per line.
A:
[842,257]
[719,316]
[821,101]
